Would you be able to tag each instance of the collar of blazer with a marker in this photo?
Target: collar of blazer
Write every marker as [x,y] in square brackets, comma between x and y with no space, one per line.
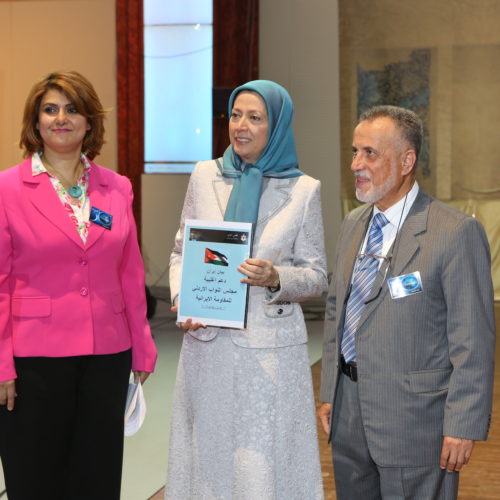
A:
[405,247]
[41,193]
[276,193]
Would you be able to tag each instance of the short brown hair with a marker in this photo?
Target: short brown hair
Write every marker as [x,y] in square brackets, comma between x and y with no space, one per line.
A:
[82,95]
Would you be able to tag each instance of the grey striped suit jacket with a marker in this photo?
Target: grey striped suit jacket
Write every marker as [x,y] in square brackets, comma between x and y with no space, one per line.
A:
[425,361]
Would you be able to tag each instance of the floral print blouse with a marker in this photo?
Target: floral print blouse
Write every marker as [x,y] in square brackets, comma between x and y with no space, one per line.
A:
[78,209]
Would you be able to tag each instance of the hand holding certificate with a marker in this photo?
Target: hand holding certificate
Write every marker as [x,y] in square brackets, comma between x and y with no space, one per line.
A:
[211,290]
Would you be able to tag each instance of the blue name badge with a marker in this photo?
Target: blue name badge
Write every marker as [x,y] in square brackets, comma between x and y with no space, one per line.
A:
[100,218]
[407,284]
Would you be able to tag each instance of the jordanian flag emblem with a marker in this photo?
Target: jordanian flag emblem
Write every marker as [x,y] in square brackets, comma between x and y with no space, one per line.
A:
[214,257]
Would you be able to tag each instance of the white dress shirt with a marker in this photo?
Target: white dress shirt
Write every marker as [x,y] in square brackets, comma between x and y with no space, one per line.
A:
[396,216]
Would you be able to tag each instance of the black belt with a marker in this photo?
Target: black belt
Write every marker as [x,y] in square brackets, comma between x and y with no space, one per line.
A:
[349,369]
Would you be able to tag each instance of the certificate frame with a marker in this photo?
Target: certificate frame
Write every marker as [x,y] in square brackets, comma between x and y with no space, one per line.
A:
[211,292]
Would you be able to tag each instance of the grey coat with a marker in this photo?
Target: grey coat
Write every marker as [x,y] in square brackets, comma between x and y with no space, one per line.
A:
[243,423]
[425,361]
[289,233]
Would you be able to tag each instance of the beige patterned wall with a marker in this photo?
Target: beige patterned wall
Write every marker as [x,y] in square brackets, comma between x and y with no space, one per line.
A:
[463,112]
[464,40]
[476,119]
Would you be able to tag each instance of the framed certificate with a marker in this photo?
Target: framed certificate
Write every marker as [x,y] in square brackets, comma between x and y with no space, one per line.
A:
[211,292]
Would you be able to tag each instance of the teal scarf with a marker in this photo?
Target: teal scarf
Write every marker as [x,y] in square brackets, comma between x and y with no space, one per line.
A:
[278,159]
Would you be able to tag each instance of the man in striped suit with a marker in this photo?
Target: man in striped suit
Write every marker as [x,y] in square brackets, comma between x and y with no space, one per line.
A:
[409,341]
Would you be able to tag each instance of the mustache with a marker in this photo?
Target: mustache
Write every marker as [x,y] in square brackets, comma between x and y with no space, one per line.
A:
[362,173]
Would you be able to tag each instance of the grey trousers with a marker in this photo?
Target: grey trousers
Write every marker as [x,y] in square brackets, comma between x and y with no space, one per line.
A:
[358,477]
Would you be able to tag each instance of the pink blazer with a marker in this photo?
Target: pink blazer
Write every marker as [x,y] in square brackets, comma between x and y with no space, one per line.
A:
[59,297]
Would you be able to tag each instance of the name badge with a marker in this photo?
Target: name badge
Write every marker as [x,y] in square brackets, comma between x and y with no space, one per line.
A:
[100,218]
[407,284]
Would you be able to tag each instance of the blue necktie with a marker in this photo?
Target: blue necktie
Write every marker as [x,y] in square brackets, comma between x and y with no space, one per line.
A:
[362,282]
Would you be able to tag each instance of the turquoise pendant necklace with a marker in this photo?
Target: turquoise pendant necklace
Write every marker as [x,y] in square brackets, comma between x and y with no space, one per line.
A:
[75,191]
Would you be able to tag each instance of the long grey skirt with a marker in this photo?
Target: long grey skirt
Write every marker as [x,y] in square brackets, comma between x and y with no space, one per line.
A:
[243,424]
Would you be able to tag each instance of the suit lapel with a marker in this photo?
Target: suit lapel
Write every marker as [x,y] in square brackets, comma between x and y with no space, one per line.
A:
[222,188]
[357,233]
[416,223]
[405,247]
[275,196]
[42,194]
[100,197]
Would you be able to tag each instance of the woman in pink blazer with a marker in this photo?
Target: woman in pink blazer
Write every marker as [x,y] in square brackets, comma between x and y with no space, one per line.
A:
[72,303]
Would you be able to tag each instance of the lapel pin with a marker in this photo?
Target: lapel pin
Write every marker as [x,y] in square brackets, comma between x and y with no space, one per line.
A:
[100,218]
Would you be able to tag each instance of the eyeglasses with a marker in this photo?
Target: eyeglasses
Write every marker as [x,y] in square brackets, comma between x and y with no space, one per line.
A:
[385,259]
[361,256]
[364,258]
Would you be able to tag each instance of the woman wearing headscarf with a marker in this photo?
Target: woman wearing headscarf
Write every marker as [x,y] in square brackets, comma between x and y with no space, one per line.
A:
[243,418]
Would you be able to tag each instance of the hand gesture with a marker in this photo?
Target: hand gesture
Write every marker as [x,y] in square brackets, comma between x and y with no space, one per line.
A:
[259,272]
